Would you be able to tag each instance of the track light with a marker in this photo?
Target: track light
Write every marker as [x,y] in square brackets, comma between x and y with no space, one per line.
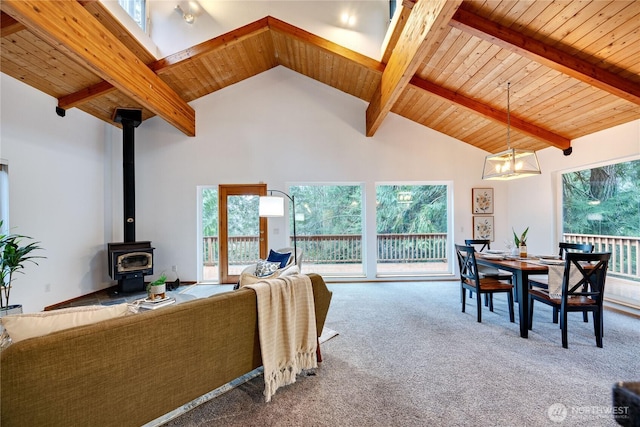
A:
[188,17]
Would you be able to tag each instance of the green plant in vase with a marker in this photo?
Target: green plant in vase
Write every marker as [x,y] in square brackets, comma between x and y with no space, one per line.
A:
[521,242]
[13,257]
[157,288]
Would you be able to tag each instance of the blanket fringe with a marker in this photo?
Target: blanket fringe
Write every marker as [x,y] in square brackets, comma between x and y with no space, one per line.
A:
[287,375]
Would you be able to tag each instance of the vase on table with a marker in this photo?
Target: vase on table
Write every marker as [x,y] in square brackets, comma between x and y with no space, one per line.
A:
[523,250]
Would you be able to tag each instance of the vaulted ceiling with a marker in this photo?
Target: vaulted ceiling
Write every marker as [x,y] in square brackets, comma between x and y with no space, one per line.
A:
[573,66]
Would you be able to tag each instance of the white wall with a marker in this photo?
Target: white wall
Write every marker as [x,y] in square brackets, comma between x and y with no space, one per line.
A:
[535,201]
[282,128]
[56,178]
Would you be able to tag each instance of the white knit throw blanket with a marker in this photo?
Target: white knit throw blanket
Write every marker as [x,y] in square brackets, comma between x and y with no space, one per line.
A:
[287,328]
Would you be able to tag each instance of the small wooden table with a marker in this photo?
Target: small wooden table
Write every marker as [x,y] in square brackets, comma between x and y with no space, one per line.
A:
[521,270]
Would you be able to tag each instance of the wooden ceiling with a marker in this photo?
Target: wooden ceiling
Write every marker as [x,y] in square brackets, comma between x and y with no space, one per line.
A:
[573,66]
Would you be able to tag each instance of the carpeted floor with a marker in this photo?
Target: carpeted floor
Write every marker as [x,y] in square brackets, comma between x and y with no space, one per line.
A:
[406,356]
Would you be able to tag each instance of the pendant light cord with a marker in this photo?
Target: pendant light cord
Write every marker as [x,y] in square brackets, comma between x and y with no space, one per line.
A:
[508,117]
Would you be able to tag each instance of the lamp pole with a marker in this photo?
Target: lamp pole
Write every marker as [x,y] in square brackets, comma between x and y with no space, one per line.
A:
[293,203]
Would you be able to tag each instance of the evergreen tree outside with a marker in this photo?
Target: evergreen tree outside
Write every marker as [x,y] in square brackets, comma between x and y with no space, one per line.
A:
[407,209]
[603,201]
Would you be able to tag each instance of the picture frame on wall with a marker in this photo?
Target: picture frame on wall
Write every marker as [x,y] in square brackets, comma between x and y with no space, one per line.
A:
[483,228]
[481,201]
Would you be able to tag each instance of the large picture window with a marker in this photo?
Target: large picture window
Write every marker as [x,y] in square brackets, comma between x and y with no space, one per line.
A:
[412,223]
[601,206]
[329,228]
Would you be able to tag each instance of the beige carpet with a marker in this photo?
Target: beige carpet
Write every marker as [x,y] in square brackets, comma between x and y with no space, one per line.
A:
[407,356]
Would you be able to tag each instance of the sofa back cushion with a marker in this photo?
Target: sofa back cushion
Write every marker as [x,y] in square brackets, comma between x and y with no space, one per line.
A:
[22,326]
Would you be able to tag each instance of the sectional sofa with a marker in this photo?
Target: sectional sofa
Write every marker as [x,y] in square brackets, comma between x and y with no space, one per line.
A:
[130,370]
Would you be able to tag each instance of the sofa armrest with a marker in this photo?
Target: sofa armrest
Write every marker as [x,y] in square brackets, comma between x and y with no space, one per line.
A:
[322,299]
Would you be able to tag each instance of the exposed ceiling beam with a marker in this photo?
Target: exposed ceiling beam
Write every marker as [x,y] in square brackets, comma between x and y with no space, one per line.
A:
[209,46]
[74,31]
[422,34]
[9,25]
[549,56]
[398,21]
[331,47]
[85,95]
[493,114]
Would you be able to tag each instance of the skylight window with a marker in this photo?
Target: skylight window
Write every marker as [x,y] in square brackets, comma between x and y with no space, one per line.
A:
[137,10]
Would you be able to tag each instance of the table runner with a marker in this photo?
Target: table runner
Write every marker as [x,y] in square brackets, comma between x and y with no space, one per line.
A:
[287,328]
[556,275]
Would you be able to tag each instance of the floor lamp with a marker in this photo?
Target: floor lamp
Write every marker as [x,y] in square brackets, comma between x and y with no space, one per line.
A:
[273,206]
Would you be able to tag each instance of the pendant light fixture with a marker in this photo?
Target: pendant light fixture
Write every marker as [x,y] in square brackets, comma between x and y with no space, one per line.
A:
[512,163]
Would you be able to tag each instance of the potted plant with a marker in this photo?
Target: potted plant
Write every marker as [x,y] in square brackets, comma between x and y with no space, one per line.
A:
[13,257]
[157,288]
[521,242]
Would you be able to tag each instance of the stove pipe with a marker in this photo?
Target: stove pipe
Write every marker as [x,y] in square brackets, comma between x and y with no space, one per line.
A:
[130,119]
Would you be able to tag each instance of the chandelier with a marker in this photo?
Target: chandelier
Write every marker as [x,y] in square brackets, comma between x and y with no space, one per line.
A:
[512,163]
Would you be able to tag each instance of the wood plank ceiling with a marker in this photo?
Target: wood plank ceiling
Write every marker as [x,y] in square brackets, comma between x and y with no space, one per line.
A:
[573,66]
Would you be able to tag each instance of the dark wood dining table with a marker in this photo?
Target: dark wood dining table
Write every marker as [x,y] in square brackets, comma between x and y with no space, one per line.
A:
[521,270]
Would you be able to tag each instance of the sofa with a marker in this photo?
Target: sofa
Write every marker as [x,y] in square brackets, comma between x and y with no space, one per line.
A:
[128,371]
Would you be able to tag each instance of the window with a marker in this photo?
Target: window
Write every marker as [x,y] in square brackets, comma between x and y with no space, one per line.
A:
[412,224]
[137,10]
[601,206]
[329,228]
[4,194]
[209,227]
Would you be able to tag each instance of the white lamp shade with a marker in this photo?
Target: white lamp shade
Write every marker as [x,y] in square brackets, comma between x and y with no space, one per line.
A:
[511,164]
[271,206]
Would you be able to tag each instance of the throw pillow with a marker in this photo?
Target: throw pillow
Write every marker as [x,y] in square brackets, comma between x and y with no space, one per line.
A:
[281,257]
[265,268]
[22,326]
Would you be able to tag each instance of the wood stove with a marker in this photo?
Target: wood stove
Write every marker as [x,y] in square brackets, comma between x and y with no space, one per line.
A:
[129,262]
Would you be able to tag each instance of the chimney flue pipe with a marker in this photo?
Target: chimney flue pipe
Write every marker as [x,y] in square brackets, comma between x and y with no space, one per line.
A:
[130,119]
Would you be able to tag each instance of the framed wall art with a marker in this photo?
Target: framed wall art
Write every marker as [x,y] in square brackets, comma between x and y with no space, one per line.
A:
[483,228]
[482,200]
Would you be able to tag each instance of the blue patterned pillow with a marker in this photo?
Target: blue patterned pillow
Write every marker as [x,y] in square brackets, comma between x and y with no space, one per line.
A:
[266,268]
[282,258]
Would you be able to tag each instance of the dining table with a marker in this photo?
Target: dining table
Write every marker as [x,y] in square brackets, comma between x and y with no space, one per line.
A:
[521,268]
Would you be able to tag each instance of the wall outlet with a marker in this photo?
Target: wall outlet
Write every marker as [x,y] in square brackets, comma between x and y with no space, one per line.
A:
[47,287]
[174,268]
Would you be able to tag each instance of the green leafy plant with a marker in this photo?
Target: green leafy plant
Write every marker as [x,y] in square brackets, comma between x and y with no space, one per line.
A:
[159,281]
[520,240]
[13,257]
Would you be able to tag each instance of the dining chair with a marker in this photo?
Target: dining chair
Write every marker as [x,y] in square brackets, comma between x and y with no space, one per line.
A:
[576,286]
[486,271]
[563,249]
[470,280]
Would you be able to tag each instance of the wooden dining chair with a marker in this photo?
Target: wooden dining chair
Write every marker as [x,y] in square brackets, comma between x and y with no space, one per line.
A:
[470,280]
[563,249]
[486,271]
[577,286]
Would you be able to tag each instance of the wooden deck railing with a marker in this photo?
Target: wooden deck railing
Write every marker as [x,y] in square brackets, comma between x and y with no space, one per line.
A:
[398,248]
[339,249]
[625,252]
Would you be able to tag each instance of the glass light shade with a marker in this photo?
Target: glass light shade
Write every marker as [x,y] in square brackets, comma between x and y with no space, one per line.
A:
[511,164]
[271,206]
